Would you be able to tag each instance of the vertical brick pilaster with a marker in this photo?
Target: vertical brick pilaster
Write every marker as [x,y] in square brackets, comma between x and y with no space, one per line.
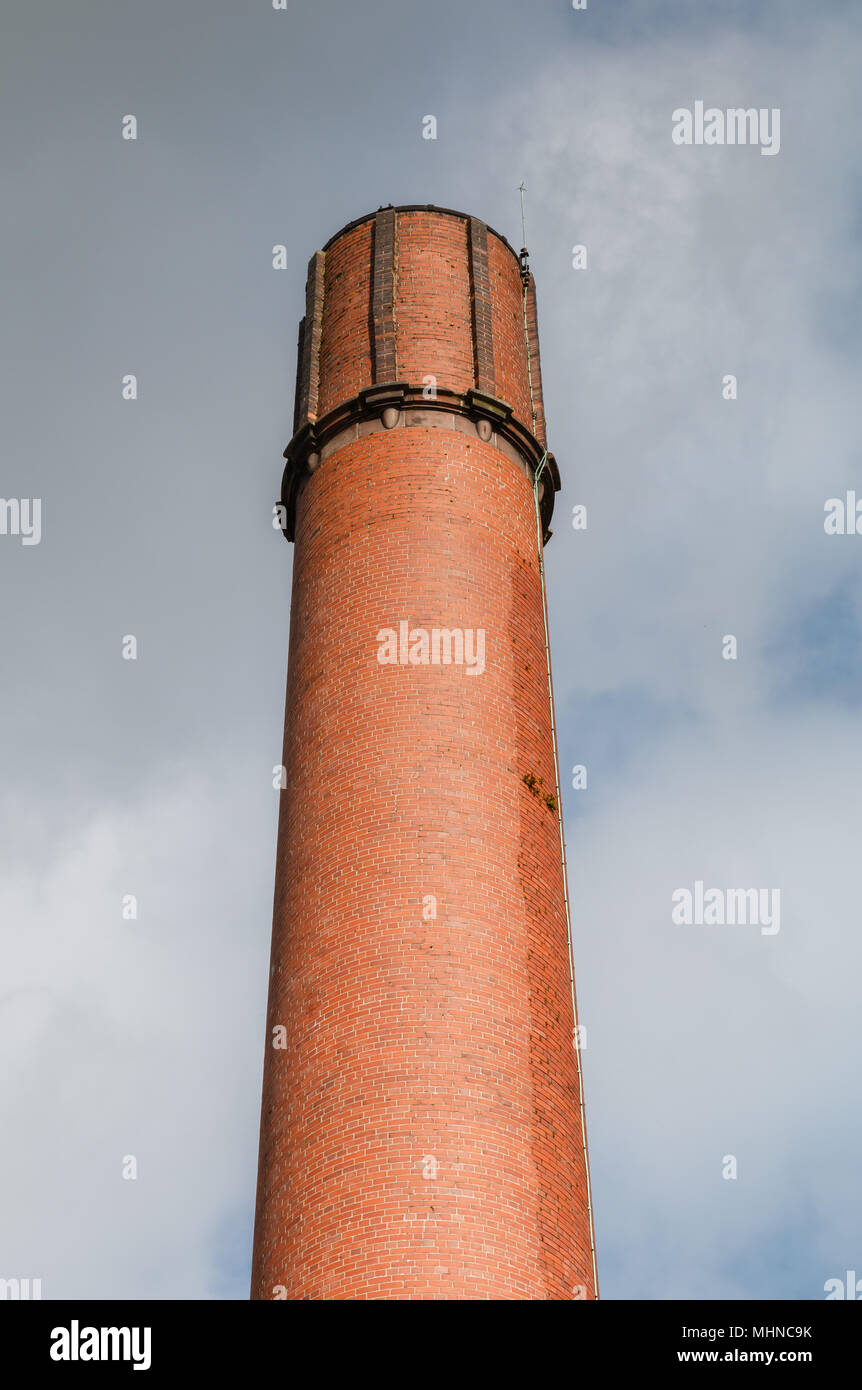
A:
[480,302]
[535,363]
[300,399]
[383,297]
[308,352]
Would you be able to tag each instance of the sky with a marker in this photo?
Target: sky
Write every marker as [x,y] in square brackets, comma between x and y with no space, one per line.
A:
[705,516]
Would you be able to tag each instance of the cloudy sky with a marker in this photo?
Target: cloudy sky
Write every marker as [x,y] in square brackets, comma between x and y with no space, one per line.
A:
[705,518]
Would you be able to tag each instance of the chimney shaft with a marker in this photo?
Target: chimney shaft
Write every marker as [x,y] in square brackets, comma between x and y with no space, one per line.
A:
[421,1129]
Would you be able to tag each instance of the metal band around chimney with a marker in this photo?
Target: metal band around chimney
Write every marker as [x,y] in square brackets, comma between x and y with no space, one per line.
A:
[363,414]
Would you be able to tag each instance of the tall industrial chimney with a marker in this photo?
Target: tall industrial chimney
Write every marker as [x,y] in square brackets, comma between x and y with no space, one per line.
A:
[422,1131]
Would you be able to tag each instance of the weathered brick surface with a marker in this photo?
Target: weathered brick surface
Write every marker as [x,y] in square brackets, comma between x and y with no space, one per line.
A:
[440,1047]
[480,295]
[507,324]
[345,352]
[433,301]
[416,294]
[535,363]
[308,347]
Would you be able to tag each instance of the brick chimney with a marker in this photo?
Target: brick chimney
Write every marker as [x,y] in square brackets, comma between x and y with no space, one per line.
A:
[422,1131]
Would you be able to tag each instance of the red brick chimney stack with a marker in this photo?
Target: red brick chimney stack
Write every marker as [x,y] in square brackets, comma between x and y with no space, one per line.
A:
[422,1125]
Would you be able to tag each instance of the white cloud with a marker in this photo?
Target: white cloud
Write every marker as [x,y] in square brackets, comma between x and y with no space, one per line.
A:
[138,1037]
